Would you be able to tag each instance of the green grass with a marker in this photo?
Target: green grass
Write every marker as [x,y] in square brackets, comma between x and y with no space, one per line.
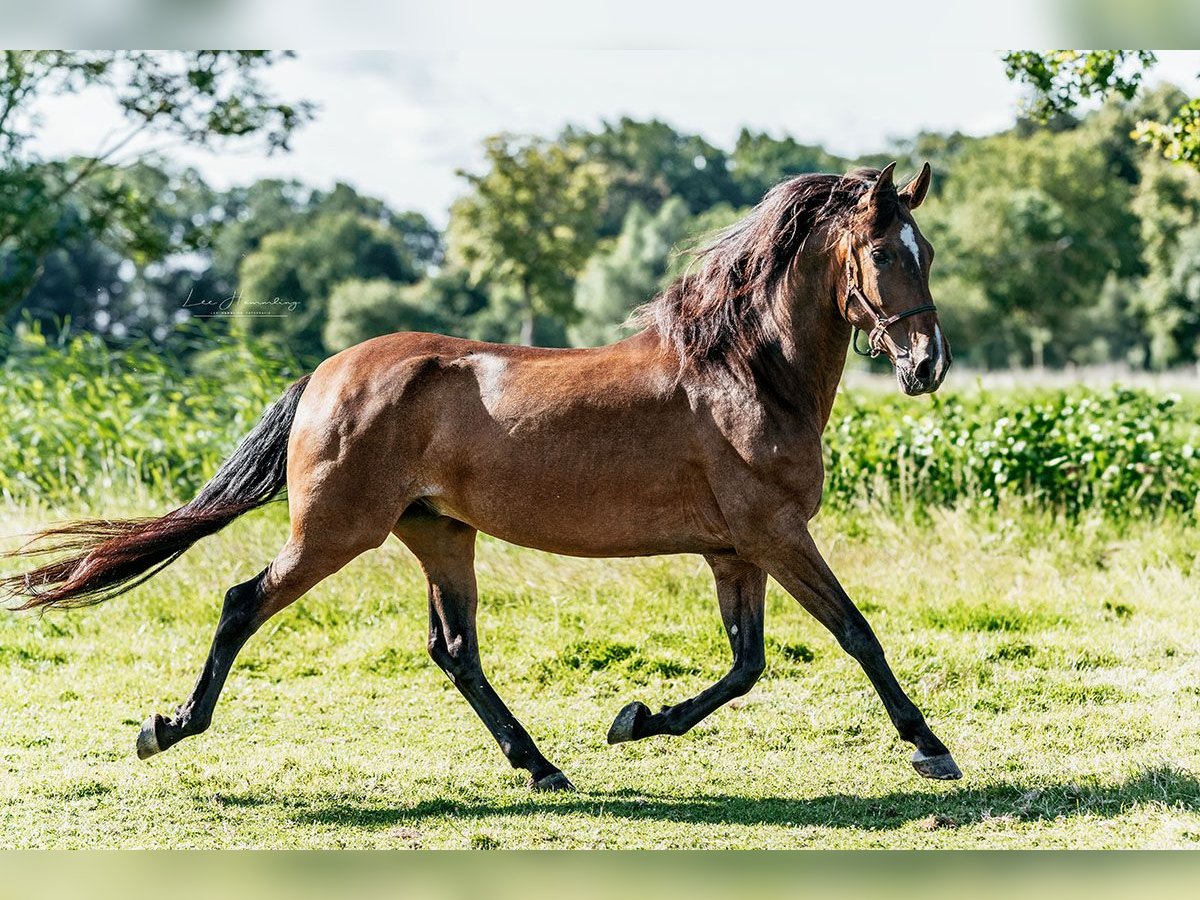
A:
[1060,664]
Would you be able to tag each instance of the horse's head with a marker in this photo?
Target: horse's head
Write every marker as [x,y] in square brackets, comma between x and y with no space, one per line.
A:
[886,295]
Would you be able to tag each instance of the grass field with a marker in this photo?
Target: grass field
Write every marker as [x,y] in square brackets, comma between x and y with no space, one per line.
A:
[1060,664]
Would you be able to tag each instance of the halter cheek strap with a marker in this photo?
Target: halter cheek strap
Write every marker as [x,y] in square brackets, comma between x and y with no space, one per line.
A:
[882,322]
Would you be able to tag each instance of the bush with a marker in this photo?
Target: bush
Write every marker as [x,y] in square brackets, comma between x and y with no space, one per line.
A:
[1123,452]
[82,421]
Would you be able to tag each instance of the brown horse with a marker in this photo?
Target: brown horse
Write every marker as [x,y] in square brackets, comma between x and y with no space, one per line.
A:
[700,434]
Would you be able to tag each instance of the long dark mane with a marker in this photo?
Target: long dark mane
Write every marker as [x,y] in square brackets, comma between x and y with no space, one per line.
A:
[721,309]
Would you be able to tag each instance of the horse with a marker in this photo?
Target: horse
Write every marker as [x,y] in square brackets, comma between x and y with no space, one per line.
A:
[699,434]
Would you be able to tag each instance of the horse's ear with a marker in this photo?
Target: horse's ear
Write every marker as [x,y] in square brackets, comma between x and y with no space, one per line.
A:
[913,193]
[883,183]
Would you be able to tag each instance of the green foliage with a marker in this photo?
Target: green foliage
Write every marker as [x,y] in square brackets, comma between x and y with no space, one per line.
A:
[529,223]
[1120,452]
[204,98]
[699,231]
[1058,244]
[618,279]
[1171,299]
[759,162]
[302,267]
[647,163]
[1060,79]
[81,421]
[359,310]
[1160,305]
[446,304]
[1177,139]
[1035,225]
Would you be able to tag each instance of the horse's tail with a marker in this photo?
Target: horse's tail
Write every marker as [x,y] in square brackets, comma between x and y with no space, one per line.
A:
[108,558]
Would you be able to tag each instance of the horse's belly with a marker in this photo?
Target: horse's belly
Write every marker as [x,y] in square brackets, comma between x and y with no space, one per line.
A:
[600,538]
[594,514]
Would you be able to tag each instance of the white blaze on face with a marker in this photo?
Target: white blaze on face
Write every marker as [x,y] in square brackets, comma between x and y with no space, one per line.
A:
[909,238]
[939,347]
[489,370]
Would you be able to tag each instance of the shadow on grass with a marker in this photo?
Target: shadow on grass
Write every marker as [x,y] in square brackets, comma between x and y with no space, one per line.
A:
[934,808]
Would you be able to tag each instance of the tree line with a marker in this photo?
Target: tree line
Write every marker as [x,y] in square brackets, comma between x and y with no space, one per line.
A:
[1059,241]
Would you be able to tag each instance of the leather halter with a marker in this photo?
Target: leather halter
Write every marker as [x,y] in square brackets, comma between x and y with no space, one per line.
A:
[882,322]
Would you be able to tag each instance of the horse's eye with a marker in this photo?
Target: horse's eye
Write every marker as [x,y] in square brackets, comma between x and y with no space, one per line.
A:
[881,257]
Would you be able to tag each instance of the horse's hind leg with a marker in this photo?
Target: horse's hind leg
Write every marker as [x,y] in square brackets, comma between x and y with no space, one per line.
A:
[247,606]
[741,589]
[446,550]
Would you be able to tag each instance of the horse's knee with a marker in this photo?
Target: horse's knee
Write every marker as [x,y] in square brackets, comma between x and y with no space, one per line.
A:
[860,643]
[454,658]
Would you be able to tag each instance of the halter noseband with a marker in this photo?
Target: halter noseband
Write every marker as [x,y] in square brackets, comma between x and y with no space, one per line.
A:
[882,322]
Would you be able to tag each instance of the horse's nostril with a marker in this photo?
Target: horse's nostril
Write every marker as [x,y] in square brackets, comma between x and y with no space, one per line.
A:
[923,369]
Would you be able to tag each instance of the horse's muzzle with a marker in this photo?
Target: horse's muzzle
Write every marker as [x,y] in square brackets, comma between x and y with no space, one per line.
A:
[924,371]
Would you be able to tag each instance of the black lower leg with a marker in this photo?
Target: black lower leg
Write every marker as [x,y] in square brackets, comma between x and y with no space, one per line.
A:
[239,620]
[741,589]
[806,576]
[452,646]
[858,640]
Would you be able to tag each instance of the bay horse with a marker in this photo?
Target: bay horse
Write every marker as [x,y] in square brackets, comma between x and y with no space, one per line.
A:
[701,433]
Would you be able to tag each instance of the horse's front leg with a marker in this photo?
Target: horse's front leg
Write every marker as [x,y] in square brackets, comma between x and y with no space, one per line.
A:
[741,589]
[798,566]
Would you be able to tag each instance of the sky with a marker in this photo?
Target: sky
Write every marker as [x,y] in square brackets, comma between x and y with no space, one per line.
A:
[397,124]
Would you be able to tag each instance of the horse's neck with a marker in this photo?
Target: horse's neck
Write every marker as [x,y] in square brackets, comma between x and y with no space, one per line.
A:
[814,336]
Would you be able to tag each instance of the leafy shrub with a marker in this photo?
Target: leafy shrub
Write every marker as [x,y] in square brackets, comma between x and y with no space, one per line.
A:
[1120,451]
[81,421]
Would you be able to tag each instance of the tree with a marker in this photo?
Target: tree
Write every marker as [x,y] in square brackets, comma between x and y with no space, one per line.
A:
[626,274]
[80,283]
[1172,299]
[1061,79]
[246,215]
[293,273]
[204,98]
[529,223]
[649,162]
[1036,225]
[698,231]
[358,310]
[1167,204]
[759,162]
[137,289]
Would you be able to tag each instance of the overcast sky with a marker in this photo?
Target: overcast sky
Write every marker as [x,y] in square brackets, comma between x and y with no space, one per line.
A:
[397,124]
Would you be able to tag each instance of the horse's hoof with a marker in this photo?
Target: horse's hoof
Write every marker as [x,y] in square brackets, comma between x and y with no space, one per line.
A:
[147,740]
[624,726]
[556,781]
[941,767]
